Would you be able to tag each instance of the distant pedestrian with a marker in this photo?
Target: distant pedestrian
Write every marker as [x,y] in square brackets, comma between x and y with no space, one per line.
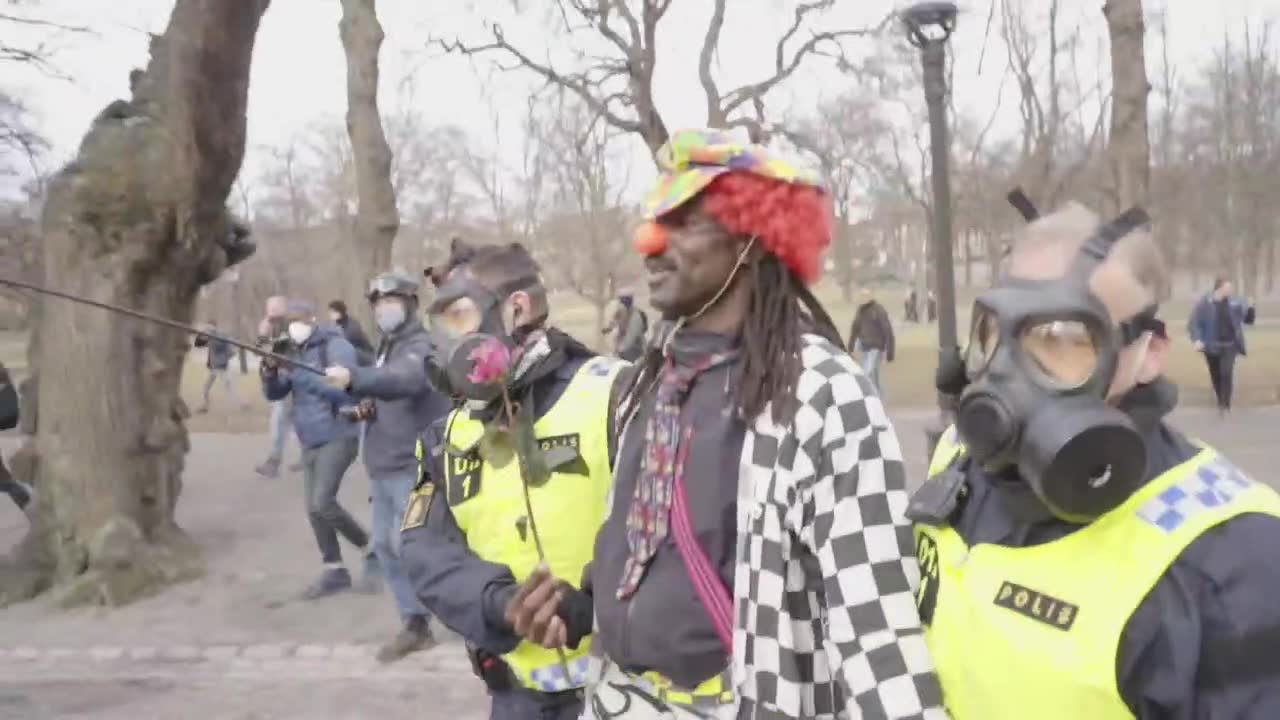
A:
[1216,328]
[629,327]
[352,331]
[273,334]
[872,336]
[218,361]
[329,442]
[19,492]
[911,307]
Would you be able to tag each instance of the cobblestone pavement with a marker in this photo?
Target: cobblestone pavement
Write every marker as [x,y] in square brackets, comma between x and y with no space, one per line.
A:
[239,645]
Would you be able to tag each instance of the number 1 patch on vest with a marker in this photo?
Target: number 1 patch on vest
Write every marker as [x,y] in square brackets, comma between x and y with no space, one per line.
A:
[464,477]
[1037,605]
[415,516]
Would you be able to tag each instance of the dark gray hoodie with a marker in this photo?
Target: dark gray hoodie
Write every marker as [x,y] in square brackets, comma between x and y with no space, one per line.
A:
[406,404]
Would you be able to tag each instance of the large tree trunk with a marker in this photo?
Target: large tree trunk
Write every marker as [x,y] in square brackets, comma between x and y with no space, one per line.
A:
[1129,149]
[377,219]
[137,219]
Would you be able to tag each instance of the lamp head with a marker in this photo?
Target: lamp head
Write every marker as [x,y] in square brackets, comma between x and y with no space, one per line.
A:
[929,21]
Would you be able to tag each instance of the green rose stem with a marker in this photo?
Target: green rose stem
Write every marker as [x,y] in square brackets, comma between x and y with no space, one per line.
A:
[528,508]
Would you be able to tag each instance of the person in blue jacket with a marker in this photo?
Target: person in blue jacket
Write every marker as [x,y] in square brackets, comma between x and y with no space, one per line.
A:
[1216,328]
[329,441]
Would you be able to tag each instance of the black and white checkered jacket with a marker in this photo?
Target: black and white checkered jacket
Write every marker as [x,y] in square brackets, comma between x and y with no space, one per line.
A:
[824,592]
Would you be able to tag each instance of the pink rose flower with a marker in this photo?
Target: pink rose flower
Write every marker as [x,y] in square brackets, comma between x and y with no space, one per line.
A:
[492,362]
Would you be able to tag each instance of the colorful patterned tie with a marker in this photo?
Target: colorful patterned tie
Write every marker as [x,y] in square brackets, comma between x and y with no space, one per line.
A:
[649,518]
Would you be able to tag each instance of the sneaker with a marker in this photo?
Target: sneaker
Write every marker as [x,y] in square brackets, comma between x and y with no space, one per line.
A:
[371,581]
[414,637]
[268,469]
[331,582]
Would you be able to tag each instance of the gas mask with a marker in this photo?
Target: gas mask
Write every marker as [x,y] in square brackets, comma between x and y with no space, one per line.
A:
[1041,357]
[465,317]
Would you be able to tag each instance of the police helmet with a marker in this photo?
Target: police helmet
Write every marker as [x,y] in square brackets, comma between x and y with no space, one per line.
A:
[392,283]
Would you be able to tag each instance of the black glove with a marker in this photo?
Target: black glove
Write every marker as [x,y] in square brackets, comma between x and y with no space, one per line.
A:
[577,610]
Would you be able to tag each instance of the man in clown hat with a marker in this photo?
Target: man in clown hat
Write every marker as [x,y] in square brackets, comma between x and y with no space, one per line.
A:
[756,561]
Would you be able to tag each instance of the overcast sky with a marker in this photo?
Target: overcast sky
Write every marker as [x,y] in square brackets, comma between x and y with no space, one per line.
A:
[299,73]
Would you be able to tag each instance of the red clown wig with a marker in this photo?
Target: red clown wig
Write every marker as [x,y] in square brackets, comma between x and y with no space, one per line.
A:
[790,220]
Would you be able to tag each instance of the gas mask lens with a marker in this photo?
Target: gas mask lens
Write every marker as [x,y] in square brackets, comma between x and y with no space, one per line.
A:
[1065,352]
[984,338]
[456,319]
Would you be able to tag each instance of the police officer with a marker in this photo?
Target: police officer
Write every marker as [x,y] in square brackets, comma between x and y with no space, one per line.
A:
[396,405]
[1080,558]
[468,538]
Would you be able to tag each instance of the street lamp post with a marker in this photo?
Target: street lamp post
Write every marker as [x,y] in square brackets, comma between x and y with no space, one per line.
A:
[929,25]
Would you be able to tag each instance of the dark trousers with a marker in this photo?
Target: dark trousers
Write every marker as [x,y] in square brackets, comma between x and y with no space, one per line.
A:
[521,704]
[322,471]
[1222,368]
[11,487]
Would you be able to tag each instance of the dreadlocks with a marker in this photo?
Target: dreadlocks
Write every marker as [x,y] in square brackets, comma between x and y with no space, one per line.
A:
[781,310]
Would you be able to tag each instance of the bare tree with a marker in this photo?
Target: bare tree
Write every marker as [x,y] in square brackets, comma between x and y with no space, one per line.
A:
[844,135]
[585,231]
[1048,164]
[1129,150]
[18,136]
[377,218]
[618,86]
[138,218]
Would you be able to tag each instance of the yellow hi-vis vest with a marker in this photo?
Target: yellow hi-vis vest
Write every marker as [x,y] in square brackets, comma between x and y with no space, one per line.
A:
[1034,632]
[488,504]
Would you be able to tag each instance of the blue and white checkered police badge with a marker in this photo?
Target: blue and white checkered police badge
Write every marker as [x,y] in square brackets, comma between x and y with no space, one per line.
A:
[1212,485]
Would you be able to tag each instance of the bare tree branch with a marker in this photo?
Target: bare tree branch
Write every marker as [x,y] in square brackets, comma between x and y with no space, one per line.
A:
[785,66]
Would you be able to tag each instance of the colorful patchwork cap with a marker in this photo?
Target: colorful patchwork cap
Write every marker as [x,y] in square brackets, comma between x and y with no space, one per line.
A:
[691,159]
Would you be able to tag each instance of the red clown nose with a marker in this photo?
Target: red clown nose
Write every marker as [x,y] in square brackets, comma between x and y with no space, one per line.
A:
[650,239]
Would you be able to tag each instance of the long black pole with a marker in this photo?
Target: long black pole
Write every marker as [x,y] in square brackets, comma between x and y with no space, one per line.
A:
[282,359]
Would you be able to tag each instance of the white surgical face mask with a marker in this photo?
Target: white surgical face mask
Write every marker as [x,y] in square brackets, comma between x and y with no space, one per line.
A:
[299,332]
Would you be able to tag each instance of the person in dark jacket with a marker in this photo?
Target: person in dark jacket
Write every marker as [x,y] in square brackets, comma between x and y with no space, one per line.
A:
[872,335]
[273,332]
[19,492]
[329,442]
[467,537]
[1216,328]
[396,404]
[1080,557]
[629,326]
[352,331]
[218,361]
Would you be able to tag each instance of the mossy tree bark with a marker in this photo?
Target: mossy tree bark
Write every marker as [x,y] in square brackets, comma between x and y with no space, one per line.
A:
[138,219]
